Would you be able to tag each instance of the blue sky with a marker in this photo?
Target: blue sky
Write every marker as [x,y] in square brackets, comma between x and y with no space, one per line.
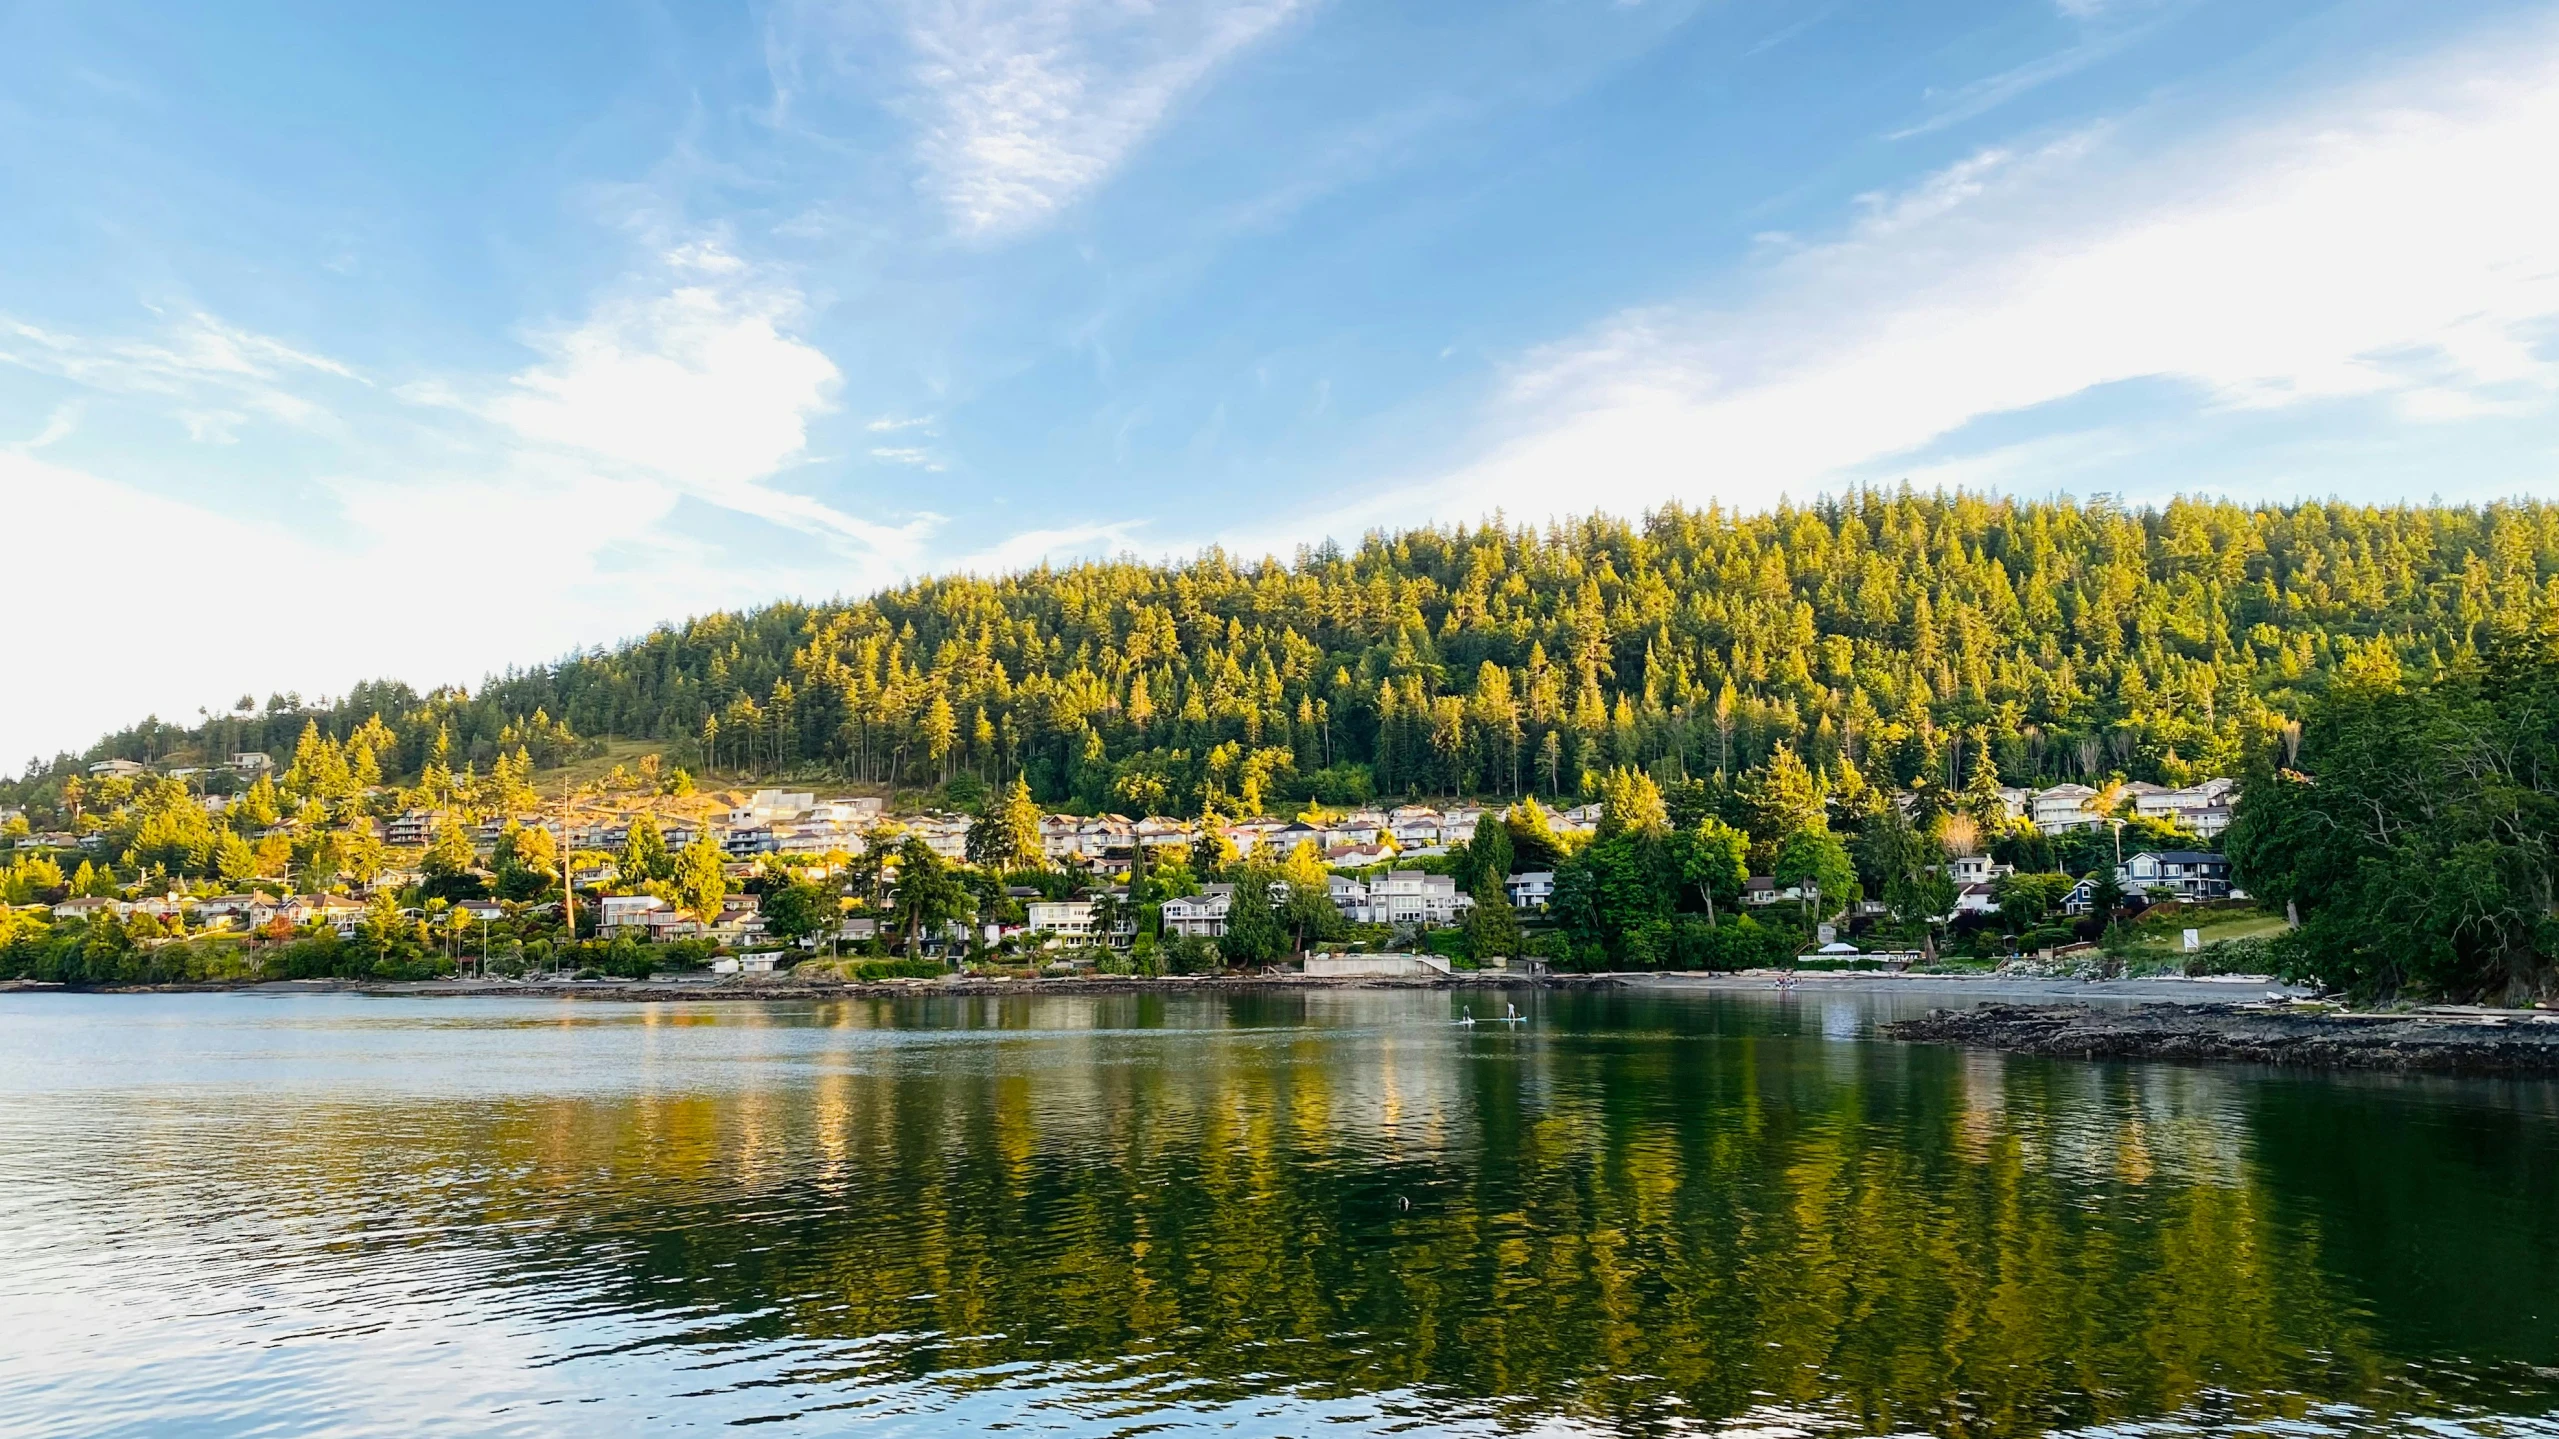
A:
[337,342]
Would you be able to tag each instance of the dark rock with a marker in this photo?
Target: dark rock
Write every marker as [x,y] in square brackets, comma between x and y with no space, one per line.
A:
[2300,1039]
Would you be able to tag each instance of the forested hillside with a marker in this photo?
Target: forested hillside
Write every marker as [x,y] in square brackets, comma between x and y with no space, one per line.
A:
[1895,633]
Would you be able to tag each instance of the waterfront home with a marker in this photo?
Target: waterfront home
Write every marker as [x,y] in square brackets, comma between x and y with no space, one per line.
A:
[618,912]
[1411,897]
[1531,889]
[2184,875]
[90,906]
[1202,914]
[1074,921]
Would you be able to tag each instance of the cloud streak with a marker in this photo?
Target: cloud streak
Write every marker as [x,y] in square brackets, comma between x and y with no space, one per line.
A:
[2383,245]
[1029,104]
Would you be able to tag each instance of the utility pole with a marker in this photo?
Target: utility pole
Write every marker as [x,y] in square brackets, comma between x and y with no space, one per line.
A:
[568,884]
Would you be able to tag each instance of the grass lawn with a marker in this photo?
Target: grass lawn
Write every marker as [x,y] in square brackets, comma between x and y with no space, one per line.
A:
[2213,926]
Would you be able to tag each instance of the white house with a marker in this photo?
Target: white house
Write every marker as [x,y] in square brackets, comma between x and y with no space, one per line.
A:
[251,761]
[2203,807]
[89,907]
[1531,889]
[767,805]
[1071,920]
[619,912]
[1411,897]
[1202,914]
[1966,869]
[2066,807]
[117,769]
[1759,890]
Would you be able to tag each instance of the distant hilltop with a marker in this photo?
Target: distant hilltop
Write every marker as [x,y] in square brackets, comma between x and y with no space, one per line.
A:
[1897,635]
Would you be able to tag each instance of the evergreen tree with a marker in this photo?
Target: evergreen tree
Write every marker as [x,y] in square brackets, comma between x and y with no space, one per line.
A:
[1254,934]
[701,878]
[1492,929]
[645,858]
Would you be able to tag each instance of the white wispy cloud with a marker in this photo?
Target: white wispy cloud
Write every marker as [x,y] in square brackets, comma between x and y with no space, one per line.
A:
[696,378]
[224,372]
[921,459]
[1028,104]
[2390,244]
[1051,547]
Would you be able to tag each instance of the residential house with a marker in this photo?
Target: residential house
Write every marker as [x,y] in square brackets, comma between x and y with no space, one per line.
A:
[337,911]
[1974,899]
[1759,890]
[766,805]
[2185,875]
[1581,819]
[1284,841]
[219,911]
[1073,920]
[2203,807]
[744,841]
[1251,834]
[293,909]
[118,769]
[482,911]
[1357,856]
[1349,896]
[1360,826]
[90,906]
[2066,807]
[1202,914]
[1531,889]
[1966,869]
[617,912]
[1411,897]
[410,827]
[1413,826]
[251,761]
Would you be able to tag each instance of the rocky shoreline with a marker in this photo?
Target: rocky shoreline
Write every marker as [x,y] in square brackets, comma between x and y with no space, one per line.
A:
[2512,1044]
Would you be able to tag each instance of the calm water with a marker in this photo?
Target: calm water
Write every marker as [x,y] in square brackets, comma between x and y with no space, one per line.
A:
[1320,1214]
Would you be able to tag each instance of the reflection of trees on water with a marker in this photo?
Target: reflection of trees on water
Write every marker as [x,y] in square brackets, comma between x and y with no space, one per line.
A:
[1680,1214]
